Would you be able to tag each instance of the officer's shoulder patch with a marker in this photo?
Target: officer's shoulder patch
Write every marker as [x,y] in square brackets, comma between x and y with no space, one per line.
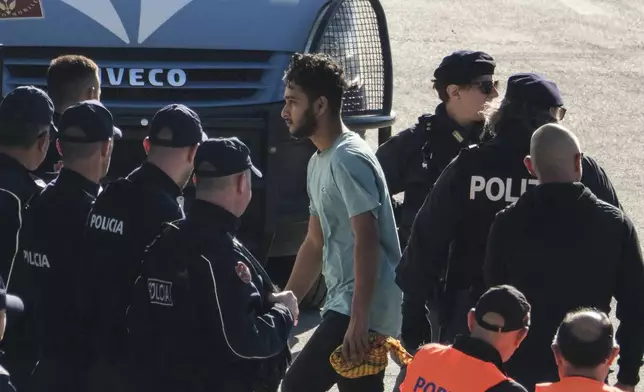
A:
[243,272]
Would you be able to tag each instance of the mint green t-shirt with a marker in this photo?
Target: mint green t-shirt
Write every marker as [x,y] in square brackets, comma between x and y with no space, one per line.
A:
[344,181]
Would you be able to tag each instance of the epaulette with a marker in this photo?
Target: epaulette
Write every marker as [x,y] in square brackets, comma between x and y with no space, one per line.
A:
[39,181]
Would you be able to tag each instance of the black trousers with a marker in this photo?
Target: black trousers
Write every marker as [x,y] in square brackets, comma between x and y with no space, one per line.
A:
[59,374]
[312,372]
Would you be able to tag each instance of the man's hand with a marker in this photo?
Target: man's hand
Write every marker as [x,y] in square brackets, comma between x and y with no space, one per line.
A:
[356,341]
[625,388]
[288,299]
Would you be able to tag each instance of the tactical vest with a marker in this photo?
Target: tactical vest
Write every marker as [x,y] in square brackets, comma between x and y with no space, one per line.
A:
[576,384]
[439,368]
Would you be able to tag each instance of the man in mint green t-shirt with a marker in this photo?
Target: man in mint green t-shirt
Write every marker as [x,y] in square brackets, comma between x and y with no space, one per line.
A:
[352,235]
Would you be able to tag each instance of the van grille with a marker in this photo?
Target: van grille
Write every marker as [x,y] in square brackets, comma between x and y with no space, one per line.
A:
[152,78]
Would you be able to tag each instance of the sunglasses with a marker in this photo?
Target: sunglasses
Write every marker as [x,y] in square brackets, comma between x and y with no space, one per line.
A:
[487,86]
[558,112]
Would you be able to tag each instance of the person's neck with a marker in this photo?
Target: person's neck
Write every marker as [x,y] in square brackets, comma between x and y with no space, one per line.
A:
[326,134]
[557,180]
[169,168]
[220,199]
[457,117]
[593,374]
[17,154]
[89,170]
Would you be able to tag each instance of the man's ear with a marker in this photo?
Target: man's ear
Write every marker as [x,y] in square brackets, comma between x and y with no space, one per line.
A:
[613,355]
[578,162]
[471,321]
[192,153]
[43,142]
[321,105]
[60,150]
[453,91]
[527,161]
[146,145]
[106,147]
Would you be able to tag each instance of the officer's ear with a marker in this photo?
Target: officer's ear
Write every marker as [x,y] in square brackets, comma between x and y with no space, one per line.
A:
[192,152]
[471,320]
[527,161]
[578,164]
[146,145]
[453,91]
[60,150]
[558,357]
[106,147]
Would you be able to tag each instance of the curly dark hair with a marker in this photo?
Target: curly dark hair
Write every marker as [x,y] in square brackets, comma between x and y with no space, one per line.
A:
[318,75]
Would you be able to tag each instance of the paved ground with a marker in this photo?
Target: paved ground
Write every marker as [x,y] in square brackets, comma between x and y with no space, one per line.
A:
[594,50]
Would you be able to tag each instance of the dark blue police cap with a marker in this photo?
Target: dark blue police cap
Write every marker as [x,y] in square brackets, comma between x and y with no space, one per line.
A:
[533,89]
[27,104]
[176,126]
[8,302]
[463,66]
[87,122]
[507,302]
[221,157]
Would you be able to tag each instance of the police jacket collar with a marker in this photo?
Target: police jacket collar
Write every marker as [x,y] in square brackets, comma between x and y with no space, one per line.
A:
[479,349]
[208,217]
[72,179]
[151,175]
[11,165]
[472,134]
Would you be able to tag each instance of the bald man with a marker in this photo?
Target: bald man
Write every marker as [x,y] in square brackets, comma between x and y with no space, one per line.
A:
[564,248]
[584,349]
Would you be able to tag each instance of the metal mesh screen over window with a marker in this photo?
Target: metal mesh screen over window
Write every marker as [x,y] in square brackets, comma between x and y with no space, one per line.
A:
[352,38]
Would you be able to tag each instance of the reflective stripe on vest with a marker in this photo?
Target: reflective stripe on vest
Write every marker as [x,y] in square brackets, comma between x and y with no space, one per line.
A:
[438,368]
[576,384]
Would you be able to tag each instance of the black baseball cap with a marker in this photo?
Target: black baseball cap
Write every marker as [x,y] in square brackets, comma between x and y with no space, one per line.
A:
[177,126]
[533,89]
[8,302]
[507,302]
[463,66]
[87,122]
[27,104]
[221,157]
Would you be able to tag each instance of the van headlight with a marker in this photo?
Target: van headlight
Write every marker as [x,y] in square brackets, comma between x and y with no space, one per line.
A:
[354,33]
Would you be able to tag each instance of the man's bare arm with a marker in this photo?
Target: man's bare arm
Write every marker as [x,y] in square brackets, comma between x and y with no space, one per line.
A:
[308,262]
[366,257]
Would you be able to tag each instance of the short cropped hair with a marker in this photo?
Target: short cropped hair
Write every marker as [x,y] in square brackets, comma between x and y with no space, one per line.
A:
[67,75]
[318,75]
[585,344]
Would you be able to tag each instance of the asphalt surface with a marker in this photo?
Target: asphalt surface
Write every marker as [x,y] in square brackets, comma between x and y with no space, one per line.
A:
[593,49]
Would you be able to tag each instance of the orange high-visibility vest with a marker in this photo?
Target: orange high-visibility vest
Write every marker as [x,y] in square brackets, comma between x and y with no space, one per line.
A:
[439,368]
[576,384]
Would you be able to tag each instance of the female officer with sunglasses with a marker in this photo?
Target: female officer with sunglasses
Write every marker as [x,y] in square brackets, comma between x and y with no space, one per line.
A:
[443,262]
[413,159]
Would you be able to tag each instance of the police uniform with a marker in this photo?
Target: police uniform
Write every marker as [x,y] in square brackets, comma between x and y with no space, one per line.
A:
[47,267]
[470,364]
[12,306]
[21,106]
[125,218]
[200,318]
[545,239]
[411,169]
[443,262]
[413,159]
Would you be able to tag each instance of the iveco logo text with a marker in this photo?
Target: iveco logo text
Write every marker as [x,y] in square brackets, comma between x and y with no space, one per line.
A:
[139,77]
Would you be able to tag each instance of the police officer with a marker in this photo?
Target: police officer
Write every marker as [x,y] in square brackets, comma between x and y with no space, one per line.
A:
[464,81]
[498,324]
[584,348]
[70,79]
[552,233]
[10,306]
[443,262]
[125,218]
[204,314]
[46,269]
[26,116]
